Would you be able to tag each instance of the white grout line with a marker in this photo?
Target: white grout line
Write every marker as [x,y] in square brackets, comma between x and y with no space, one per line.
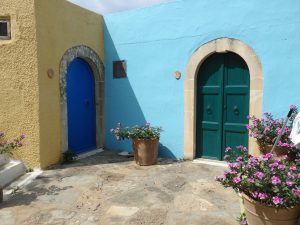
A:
[27,180]
[210,162]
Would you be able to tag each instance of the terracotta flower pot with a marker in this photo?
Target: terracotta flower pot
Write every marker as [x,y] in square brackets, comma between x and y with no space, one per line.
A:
[278,152]
[145,151]
[258,214]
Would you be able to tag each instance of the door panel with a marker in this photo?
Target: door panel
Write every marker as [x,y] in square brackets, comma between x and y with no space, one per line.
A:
[222,104]
[81,107]
[236,102]
[209,112]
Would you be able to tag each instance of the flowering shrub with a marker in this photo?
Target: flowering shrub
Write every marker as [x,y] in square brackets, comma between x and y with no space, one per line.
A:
[269,181]
[265,130]
[144,132]
[6,147]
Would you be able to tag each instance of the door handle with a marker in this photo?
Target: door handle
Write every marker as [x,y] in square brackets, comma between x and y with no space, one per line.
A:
[208,109]
[236,110]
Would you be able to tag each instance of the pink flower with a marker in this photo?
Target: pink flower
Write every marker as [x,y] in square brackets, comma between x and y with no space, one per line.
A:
[267,156]
[254,194]
[293,168]
[289,183]
[227,149]
[259,175]
[293,107]
[297,191]
[262,196]
[277,200]
[233,165]
[282,167]
[275,180]
[237,180]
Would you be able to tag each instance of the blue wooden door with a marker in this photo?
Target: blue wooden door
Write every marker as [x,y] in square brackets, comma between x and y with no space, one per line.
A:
[81,107]
[223,86]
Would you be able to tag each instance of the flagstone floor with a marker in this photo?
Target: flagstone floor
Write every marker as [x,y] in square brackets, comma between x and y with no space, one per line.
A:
[108,189]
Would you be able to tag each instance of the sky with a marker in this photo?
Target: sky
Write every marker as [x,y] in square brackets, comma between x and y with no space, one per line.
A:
[109,6]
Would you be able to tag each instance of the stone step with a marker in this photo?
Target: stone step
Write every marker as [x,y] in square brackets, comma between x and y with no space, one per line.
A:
[11,171]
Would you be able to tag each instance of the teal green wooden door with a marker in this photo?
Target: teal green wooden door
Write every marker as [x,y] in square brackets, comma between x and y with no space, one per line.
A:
[223,86]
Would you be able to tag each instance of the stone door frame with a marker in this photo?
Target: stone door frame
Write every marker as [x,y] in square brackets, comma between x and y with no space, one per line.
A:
[221,45]
[94,61]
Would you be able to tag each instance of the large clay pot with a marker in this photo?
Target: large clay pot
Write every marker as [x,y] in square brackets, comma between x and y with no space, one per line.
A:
[258,214]
[145,151]
[278,152]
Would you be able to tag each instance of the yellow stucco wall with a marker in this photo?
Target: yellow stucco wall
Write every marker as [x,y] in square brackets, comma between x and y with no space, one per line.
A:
[60,25]
[19,103]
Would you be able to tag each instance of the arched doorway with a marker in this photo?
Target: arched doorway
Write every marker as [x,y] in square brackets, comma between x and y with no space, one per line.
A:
[223,88]
[92,65]
[221,45]
[81,107]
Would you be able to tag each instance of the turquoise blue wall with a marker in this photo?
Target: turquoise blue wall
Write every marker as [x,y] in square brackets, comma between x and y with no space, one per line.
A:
[159,40]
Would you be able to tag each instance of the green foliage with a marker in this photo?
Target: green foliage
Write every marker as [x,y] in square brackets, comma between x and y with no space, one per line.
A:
[7,147]
[145,132]
[69,157]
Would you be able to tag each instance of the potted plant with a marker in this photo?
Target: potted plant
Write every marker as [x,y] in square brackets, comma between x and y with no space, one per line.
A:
[145,141]
[6,150]
[266,129]
[270,187]
[7,147]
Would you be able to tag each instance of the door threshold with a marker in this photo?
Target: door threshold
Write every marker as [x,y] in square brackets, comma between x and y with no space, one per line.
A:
[210,162]
[89,153]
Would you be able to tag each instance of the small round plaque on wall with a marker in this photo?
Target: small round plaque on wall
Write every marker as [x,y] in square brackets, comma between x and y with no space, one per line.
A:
[50,73]
[177,75]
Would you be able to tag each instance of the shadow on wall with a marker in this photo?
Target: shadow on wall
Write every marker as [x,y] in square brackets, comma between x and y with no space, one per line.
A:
[121,104]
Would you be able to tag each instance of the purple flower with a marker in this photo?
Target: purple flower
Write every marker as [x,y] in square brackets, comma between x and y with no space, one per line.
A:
[1,133]
[266,113]
[277,200]
[22,136]
[289,183]
[293,107]
[227,149]
[297,192]
[233,165]
[112,130]
[275,180]
[293,168]
[254,194]
[259,175]
[20,144]
[267,156]
[262,196]
[282,167]
[237,180]
[220,178]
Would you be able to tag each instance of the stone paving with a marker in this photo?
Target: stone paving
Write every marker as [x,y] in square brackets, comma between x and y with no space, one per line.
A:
[108,189]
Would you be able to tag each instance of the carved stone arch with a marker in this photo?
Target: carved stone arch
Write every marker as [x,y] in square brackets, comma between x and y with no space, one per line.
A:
[94,61]
[220,45]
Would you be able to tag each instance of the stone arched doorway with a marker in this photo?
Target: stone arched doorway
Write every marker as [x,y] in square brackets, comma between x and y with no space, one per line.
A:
[221,45]
[93,60]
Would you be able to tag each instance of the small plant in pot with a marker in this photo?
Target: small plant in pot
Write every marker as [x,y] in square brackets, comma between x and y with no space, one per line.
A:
[145,141]
[6,150]
[269,187]
[265,130]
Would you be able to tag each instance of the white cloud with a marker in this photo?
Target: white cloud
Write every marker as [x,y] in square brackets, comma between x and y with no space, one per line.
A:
[108,6]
